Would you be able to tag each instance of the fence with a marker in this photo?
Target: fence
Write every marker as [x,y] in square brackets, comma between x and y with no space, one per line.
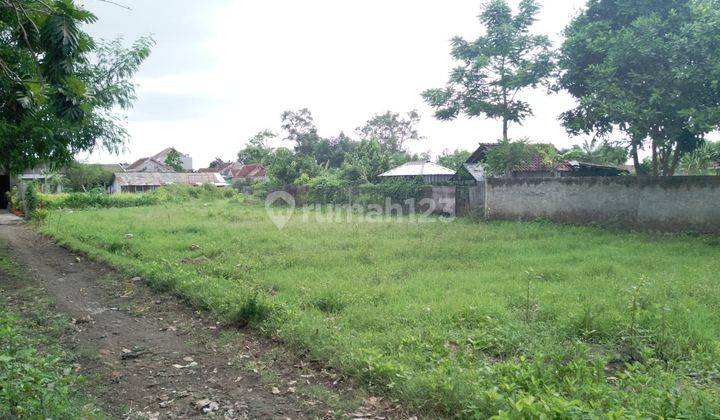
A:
[666,204]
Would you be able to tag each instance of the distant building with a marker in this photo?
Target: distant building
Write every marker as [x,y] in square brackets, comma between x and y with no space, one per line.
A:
[233,172]
[431,173]
[185,160]
[113,167]
[473,172]
[148,165]
[134,182]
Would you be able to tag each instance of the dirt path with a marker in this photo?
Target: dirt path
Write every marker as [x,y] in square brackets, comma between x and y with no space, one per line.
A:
[149,356]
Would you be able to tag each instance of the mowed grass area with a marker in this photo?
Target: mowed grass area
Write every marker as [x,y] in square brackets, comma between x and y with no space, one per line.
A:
[454,319]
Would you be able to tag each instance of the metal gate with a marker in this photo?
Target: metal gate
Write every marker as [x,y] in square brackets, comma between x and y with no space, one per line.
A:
[470,200]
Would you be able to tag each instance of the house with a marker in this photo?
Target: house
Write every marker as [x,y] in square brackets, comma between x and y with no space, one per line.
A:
[431,173]
[148,165]
[472,172]
[185,160]
[113,167]
[573,168]
[233,172]
[250,174]
[131,182]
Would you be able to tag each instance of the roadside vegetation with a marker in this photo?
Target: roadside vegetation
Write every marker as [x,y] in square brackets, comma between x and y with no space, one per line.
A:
[37,378]
[465,319]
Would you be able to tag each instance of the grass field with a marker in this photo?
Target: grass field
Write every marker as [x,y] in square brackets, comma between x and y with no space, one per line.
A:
[465,319]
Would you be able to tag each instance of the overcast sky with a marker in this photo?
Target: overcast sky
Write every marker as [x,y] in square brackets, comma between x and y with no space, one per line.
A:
[223,70]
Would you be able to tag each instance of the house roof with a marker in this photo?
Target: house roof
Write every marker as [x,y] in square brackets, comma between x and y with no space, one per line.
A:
[479,154]
[475,170]
[158,179]
[253,169]
[142,161]
[535,164]
[165,152]
[112,167]
[420,168]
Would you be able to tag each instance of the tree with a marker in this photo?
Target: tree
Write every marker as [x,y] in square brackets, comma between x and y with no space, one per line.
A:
[83,177]
[703,160]
[284,167]
[257,148]
[59,90]
[366,162]
[649,69]
[496,67]
[331,153]
[508,155]
[455,159]
[174,160]
[596,151]
[217,163]
[300,129]
[391,130]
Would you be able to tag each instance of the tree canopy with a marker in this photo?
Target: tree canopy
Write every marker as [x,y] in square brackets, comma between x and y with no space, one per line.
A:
[391,130]
[59,89]
[257,148]
[597,151]
[496,67]
[455,159]
[508,155]
[649,69]
[173,160]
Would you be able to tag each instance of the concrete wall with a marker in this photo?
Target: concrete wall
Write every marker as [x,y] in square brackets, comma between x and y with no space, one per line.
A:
[443,199]
[667,204]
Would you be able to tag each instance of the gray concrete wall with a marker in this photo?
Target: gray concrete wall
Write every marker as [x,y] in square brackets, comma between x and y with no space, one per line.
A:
[443,199]
[667,204]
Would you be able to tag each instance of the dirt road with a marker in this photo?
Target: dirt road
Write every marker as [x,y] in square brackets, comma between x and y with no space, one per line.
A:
[149,356]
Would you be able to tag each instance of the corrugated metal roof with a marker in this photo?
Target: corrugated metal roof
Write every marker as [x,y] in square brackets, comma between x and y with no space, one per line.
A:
[158,179]
[475,170]
[418,169]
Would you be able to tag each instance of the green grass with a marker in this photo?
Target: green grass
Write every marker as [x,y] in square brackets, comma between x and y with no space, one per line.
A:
[37,378]
[464,319]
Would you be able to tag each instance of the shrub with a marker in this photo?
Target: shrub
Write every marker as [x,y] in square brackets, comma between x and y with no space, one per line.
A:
[167,194]
[328,188]
[398,191]
[15,200]
[39,215]
[32,198]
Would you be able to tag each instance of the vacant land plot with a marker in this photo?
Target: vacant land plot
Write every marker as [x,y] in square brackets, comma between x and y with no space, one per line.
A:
[455,319]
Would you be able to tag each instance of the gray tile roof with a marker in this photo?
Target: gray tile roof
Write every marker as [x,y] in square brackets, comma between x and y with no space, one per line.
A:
[162,178]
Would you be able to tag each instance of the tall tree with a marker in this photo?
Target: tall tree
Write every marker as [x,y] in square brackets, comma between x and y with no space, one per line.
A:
[257,148]
[299,127]
[391,130]
[496,67]
[649,69]
[331,152]
[59,90]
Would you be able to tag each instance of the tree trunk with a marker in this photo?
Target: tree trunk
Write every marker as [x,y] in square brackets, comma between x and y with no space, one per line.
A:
[654,159]
[636,159]
[505,129]
[675,161]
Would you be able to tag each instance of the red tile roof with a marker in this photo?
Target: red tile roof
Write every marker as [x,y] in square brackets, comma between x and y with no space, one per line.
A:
[254,169]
